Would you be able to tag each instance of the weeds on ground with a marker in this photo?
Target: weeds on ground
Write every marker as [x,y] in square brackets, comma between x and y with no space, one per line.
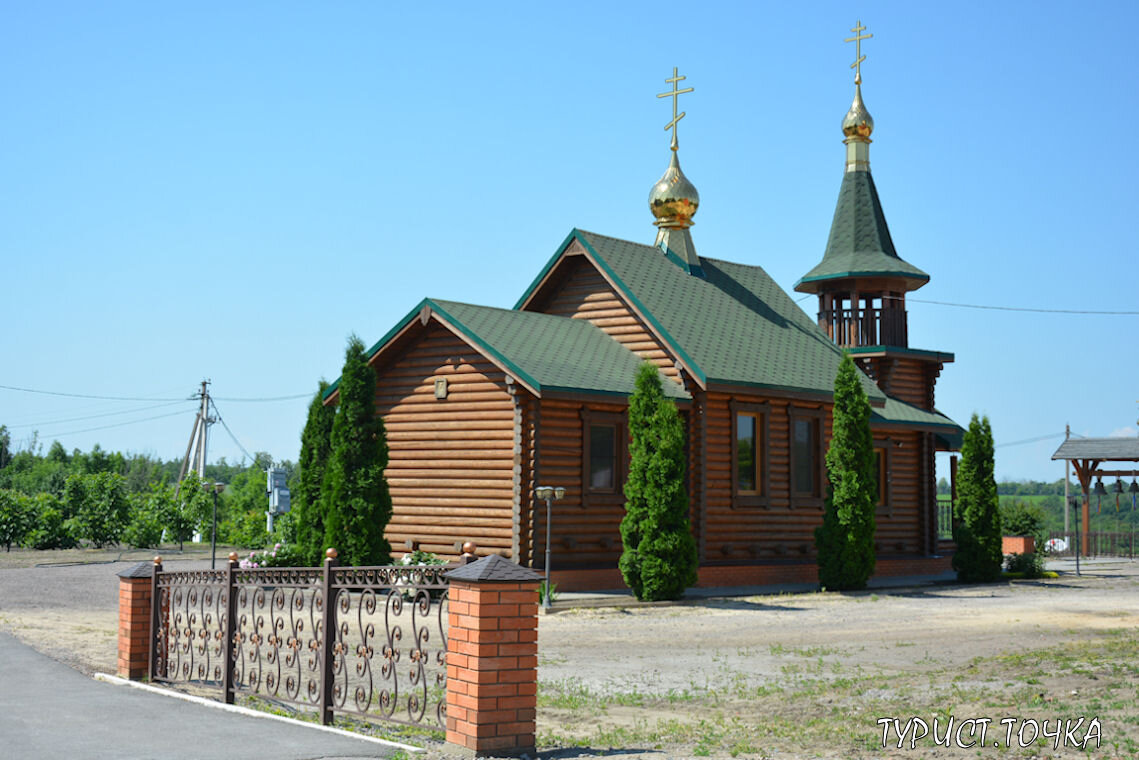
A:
[808,707]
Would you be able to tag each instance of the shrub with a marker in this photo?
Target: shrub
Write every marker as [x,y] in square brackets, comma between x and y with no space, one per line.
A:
[146,525]
[15,518]
[420,557]
[1024,519]
[246,529]
[355,500]
[278,555]
[1026,565]
[845,540]
[978,531]
[316,448]
[51,530]
[659,556]
[98,505]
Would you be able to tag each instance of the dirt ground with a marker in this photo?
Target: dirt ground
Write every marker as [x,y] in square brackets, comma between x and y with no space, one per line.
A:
[784,676]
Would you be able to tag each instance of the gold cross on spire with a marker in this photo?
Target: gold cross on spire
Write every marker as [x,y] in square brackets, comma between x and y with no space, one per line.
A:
[674,93]
[858,56]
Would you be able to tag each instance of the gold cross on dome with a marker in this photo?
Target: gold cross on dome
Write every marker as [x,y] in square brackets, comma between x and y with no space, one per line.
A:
[858,56]
[674,93]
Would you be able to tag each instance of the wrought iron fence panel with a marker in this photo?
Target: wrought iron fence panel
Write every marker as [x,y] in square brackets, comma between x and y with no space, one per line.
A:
[277,637]
[190,640]
[390,652]
[260,632]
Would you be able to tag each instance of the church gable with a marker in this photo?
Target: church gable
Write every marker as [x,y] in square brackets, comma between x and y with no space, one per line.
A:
[574,287]
[450,431]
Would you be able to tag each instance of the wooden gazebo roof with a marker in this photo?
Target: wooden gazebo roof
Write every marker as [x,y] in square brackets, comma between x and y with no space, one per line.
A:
[1099,449]
[1086,456]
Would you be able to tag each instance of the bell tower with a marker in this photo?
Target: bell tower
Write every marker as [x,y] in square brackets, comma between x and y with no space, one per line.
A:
[861,281]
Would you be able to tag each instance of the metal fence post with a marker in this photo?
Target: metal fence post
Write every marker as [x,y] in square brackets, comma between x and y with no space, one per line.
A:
[328,640]
[230,645]
[155,623]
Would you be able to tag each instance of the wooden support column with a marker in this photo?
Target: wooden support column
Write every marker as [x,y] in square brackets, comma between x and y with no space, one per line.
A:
[1084,470]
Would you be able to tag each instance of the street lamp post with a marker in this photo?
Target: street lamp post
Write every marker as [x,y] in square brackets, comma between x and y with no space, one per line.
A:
[216,488]
[549,493]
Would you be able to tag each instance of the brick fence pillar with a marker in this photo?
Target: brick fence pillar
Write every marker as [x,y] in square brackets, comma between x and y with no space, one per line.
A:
[492,658]
[135,594]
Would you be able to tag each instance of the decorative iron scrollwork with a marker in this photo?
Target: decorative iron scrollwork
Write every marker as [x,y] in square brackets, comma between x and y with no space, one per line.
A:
[388,652]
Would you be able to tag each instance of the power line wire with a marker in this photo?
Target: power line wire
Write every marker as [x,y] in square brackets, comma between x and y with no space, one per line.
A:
[117,424]
[1030,440]
[84,395]
[270,398]
[1007,308]
[125,398]
[231,435]
[1024,308]
[96,416]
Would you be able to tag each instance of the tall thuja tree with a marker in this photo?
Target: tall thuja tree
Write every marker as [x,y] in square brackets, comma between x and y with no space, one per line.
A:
[356,504]
[977,529]
[316,448]
[845,540]
[659,556]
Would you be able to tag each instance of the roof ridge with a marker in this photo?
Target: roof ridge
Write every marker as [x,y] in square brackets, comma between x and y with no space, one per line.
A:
[535,314]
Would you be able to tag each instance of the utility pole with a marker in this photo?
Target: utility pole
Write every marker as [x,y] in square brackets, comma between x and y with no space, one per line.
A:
[199,438]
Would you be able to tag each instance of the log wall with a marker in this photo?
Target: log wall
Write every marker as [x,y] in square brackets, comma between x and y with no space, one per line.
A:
[584,294]
[586,525]
[452,462]
[911,380]
[901,522]
[783,530]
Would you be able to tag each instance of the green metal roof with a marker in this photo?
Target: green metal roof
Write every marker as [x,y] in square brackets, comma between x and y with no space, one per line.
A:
[546,352]
[900,413]
[942,356]
[551,352]
[734,325]
[860,243]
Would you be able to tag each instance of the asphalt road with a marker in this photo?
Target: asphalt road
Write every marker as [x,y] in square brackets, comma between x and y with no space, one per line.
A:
[48,710]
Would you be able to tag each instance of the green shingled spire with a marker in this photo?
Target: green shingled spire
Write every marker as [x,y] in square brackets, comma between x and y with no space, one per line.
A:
[860,243]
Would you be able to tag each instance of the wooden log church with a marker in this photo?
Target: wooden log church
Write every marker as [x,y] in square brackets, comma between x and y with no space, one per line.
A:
[482,405]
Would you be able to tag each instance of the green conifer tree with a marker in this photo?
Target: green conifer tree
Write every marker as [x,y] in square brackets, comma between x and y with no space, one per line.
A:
[845,540]
[659,556]
[356,504]
[977,528]
[316,448]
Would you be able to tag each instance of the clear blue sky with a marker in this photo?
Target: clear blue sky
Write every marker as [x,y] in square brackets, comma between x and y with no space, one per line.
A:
[228,190]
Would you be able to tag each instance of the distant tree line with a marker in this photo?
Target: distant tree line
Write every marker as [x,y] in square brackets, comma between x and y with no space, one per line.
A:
[104,498]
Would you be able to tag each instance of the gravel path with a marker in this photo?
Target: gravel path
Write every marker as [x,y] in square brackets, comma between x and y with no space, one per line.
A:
[654,650]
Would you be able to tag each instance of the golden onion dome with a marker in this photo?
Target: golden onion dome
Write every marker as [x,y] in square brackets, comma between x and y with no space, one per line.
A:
[673,199]
[858,122]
